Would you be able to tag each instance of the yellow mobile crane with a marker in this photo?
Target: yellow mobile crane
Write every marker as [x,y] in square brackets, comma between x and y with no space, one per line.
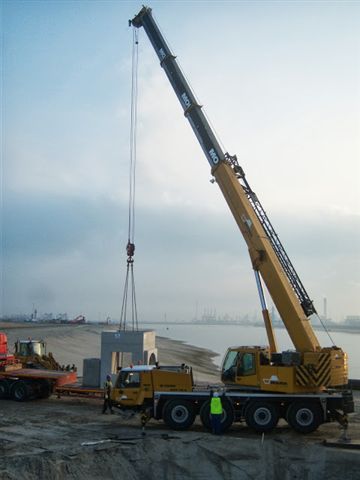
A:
[311,367]
[305,386]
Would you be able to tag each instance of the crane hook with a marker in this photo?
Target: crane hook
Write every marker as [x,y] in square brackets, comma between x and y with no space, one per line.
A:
[130,250]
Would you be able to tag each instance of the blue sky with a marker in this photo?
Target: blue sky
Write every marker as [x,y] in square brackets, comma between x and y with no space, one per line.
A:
[280,83]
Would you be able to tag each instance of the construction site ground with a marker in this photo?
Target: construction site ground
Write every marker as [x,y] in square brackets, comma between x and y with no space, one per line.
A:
[69,438]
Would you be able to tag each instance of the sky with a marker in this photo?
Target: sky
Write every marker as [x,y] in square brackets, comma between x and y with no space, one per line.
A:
[280,83]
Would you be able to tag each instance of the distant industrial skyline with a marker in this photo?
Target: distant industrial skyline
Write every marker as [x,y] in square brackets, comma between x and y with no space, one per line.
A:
[207,315]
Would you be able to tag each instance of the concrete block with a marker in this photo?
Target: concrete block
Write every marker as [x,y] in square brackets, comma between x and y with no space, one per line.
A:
[91,372]
[122,348]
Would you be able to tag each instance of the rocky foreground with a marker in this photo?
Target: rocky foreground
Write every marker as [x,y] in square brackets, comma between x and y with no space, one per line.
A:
[69,438]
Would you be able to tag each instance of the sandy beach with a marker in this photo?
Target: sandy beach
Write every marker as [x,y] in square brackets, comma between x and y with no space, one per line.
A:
[71,344]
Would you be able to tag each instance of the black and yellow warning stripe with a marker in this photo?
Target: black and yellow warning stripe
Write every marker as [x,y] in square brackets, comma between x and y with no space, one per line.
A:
[315,375]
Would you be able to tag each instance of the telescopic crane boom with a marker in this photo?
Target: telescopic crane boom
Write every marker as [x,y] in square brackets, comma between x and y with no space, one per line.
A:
[269,259]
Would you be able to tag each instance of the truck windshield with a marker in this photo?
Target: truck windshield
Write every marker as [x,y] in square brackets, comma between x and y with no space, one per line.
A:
[128,380]
[230,360]
[30,348]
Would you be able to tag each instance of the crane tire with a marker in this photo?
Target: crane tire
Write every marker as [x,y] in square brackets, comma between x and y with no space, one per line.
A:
[227,418]
[178,414]
[261,416]
[304,417]
[20,391]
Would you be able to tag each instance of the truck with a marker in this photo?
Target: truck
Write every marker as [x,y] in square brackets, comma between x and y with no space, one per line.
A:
[168,393]
[21,384]
[306,386]
[24,384]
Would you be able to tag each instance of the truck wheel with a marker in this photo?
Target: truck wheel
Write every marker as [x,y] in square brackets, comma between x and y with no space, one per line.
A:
[304,417]
[4,389]
[45,389]
[261,416]
[178,414]
[227,418]
[19,391]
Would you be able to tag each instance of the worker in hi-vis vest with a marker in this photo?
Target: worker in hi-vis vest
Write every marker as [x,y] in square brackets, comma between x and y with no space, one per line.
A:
[107,395]
[216,411]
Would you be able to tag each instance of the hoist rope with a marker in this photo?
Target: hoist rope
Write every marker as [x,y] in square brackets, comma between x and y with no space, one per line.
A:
[130,247]
[324,327]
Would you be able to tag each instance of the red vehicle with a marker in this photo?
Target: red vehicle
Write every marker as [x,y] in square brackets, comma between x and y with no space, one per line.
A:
[22,384]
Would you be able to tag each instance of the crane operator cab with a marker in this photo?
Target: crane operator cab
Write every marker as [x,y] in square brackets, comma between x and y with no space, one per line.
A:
[241,365]
[257,368]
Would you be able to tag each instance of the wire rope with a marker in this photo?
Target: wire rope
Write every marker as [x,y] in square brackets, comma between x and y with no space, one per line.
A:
[130,247]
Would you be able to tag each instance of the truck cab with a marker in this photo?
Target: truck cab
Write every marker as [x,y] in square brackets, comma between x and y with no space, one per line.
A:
[135,386]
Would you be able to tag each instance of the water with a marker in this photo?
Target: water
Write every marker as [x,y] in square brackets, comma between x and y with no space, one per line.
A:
[219,337]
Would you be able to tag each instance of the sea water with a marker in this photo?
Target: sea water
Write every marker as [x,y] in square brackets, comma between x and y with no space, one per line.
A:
[219,337]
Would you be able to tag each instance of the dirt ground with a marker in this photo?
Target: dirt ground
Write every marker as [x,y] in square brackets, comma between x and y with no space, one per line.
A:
[69,438]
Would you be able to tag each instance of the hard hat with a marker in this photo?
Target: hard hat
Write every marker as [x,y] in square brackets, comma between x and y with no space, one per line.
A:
[108,377]
[216,394]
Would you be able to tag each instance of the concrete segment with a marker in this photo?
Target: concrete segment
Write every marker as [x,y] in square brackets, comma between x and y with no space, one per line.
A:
[120,348]
[91,372]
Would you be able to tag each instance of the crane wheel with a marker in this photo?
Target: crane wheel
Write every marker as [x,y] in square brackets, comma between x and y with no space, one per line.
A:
[20,391]
[304,417]
[178,414]
[227,418]
[4,389]
[261,416]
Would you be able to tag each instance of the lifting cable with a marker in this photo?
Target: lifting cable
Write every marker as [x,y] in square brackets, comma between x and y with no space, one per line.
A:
[130,247]
[324,327]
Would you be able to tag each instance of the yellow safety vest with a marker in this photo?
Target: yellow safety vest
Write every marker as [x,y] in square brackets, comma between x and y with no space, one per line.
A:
[215,406]
[107,388]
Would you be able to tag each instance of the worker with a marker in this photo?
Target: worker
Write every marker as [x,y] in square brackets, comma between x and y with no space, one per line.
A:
[144,418]
[216,411]
[107,395]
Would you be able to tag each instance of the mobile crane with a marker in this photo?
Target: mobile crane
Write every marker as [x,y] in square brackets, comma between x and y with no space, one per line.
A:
[263,383]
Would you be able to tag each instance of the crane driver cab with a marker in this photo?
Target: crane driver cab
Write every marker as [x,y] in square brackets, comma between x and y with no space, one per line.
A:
[244,362]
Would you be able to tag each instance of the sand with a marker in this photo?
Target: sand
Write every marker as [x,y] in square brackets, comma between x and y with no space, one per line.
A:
[71,344]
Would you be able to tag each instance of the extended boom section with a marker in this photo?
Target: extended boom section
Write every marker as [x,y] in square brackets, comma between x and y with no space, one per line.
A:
[310,368]
[192,110]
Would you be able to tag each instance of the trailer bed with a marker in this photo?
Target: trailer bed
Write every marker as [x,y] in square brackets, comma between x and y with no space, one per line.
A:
[58,377]
[78,390]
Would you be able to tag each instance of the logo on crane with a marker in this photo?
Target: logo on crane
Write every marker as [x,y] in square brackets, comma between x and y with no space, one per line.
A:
[186,100]
[213,156]
[247,221]
[162,53]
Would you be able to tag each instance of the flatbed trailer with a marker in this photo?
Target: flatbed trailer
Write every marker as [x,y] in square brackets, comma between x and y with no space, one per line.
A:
[260,411]
[31,383]
[78,390]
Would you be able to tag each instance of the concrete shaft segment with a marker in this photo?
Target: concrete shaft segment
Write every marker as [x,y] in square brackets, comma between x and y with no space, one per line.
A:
[121,348]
